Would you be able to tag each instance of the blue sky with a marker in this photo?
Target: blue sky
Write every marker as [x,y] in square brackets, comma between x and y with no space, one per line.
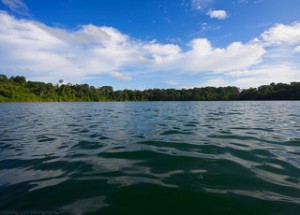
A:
[152,43]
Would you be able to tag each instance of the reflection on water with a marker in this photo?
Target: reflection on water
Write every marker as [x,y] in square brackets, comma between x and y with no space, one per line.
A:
[150,157]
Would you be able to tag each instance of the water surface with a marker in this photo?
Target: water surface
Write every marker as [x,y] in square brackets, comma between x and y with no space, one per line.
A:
[150,157]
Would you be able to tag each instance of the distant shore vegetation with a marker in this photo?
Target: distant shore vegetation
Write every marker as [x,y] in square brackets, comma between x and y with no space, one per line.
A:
[18,89]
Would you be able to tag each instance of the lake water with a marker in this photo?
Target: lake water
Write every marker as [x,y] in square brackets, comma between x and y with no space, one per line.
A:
[150,158]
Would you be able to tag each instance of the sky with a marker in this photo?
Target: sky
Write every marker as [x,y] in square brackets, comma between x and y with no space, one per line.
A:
[135,44]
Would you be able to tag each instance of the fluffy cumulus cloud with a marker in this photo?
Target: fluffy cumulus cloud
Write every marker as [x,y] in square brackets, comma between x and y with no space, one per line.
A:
[47,53]
[279,63]
[255,77]
[160,53]
[218,14]
[266,74]
[202,57]
[204,7]
[281,34]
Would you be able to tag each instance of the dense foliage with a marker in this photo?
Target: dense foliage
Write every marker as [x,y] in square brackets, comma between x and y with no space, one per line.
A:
[18,89]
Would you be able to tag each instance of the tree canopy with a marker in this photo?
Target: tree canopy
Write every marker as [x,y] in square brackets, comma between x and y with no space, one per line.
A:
[18,89]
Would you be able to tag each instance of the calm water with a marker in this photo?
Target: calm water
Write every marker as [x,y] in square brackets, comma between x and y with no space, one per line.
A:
[150,158]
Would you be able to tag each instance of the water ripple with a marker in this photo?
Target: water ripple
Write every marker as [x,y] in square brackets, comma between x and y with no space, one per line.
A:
[176,156]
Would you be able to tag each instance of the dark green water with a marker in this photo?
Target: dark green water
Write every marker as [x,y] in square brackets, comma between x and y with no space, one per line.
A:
[150,158]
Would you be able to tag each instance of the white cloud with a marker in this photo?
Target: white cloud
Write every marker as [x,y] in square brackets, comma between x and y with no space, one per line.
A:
[280,34]
[52,54]
[45,53]
[17,6]
[265,75]
[256,77]
[120,76]
[204,58]
[160,53]
[218,14]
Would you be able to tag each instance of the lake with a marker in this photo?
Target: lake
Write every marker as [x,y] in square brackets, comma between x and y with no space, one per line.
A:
[150,158]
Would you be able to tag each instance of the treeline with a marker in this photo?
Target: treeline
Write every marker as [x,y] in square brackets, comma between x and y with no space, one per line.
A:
[18,89]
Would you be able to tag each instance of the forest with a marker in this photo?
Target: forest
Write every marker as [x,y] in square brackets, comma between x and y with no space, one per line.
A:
[18,89]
